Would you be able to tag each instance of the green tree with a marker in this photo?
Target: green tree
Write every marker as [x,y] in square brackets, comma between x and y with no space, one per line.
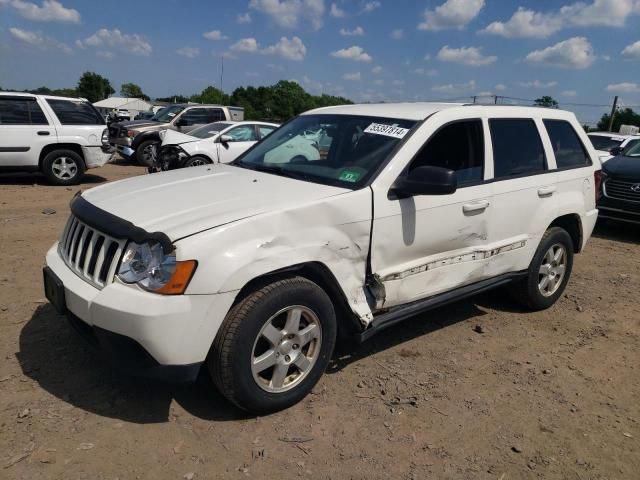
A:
[546,101]
[131,90]
[211,95]
[624,116]
[94,87]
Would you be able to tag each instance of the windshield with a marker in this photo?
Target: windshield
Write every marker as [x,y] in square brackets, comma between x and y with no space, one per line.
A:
[340,150]
[634,151]
[166,114]
[209,130]
[601,142]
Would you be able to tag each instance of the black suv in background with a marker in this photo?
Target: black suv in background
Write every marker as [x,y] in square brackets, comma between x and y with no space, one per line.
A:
[620,199]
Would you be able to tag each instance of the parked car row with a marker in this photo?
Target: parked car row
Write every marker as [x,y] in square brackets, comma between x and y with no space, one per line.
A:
[608,144]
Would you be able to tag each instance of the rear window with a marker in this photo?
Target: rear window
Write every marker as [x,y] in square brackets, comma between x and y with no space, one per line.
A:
[567,147]
[517,148]
[602,142]
[21,111]
[75,112]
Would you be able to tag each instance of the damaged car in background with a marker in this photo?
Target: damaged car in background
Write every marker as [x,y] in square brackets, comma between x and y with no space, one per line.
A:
[218,142]
[250,270]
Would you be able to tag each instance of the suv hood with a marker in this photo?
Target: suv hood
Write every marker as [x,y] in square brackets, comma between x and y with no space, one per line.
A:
[623,167]
[183,202]
[171,137]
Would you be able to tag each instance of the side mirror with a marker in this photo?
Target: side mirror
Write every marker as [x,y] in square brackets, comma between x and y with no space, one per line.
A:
[616,151]
[426,180]
[225,138]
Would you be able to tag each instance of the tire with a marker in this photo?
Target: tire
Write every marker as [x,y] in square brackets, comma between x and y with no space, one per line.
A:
[197,161]
[143,153]
[533,292]
[297,361]
[63,167]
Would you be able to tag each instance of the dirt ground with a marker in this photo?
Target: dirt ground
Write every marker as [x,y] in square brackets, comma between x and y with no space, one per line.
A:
[479,389]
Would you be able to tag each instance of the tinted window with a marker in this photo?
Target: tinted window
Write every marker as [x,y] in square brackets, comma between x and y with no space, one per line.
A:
[458,147]
[21,111]
[517,148]
[195,116]
[244,133]
[75,112]
[602,142]
[214,114]
[567,147]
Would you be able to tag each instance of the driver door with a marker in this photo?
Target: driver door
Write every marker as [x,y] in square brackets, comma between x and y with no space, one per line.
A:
[242,138]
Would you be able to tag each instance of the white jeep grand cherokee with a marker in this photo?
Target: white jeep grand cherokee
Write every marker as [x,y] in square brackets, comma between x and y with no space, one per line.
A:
[59,136]
[253,268]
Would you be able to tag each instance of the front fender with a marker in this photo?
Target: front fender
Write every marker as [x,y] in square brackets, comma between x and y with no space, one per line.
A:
[143,137]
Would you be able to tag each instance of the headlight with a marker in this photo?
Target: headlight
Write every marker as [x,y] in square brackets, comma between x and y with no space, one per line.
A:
[105,137]
[148,266]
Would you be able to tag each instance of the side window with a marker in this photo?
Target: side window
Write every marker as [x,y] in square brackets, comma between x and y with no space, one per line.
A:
[75,112]
[265,130]
[459,147]
[244,133]
[214,115]
[517,148]
[567,147]
[21,111]
[194,116]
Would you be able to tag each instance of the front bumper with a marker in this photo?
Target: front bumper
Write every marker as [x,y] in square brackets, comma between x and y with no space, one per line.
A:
[142,333]
[619,210]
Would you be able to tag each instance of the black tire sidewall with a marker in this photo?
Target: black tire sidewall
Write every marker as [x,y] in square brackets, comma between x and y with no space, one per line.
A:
[189,161]
[139,155]
[536,299]
[247,393]
[47,167]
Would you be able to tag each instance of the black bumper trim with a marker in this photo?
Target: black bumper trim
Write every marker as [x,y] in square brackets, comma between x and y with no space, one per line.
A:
[128,357]
[115,226]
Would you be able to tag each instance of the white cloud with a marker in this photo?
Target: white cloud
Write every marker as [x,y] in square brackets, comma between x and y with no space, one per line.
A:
[377,69]
[214,35]
[105,54]
[500,87]
[371,6]
[624,87]
[397,34]
[336,12]
[38,40]
[49,11]
[427,57]
[292,49]
[378,82]
[538,84]
[529,23]
[430,72]
[455,87]
[465,56]
[526,23]
[354,53]
[189,52]
[576,52]
[289,13]
[632,51]
[133,44]
[397,83]
[451,14]
[245,45]
[568,93]
[243,18]
[352,76]
[356,32]
[312,86]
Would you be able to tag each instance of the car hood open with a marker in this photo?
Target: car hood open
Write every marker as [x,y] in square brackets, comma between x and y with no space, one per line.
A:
[183,202]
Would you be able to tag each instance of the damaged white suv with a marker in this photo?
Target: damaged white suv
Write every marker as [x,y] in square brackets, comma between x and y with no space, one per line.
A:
[251,269]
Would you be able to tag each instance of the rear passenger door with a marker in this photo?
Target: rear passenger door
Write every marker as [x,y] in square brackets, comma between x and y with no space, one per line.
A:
[24,131]
[524,190]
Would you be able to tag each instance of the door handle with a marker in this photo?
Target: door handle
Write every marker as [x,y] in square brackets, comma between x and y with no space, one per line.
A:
[43,132]
[475,207]
[546,191]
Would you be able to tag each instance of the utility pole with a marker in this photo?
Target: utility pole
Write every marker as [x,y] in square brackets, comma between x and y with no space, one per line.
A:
[495,99]
[613,112]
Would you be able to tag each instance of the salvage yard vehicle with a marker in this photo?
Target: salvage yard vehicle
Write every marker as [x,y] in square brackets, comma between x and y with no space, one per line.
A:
[216,142]
[251,269]
[620,199]
[609,144]
[59,136]
[135,140]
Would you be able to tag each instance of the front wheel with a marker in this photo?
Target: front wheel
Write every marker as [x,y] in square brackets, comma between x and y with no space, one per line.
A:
[197,161]
[274,345]
[548,272]
[145,152]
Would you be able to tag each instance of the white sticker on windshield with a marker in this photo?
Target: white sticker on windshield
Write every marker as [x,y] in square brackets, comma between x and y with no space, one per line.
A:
[387,130]
[171,114]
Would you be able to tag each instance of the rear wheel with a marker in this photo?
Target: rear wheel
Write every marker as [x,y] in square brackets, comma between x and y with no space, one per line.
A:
[63,167]
[145,152]
[548,272]
[274,345]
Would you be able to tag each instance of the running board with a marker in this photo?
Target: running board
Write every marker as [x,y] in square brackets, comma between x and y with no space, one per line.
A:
[403,312]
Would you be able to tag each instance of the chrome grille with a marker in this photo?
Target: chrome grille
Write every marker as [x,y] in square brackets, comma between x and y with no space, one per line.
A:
[622,190]
[91,254]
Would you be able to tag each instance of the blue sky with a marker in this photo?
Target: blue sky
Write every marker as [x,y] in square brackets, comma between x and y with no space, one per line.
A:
[368,50]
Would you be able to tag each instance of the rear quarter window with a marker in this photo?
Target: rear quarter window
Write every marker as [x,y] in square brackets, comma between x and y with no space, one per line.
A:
[75,112]
[567,147]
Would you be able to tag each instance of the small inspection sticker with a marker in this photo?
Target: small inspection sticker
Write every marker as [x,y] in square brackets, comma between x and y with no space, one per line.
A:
[387,130]
[349,176]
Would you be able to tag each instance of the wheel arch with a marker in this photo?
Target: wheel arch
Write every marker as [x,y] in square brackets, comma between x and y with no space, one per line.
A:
[573,226]
[52,147]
